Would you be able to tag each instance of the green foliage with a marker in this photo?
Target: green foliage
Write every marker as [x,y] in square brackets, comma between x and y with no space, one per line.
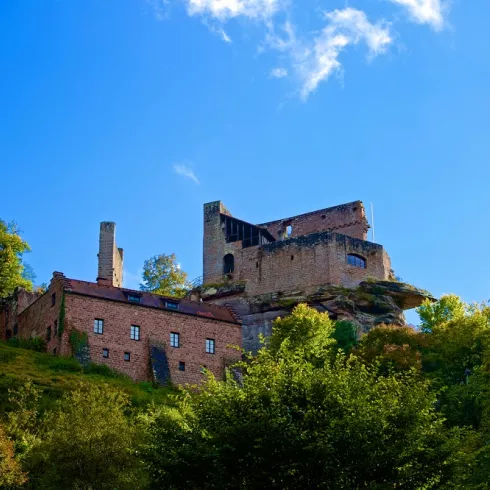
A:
[12,248]
[345,333]
[162,275]
[11,474]
[87,441]
[61,318]
[300,420]
[37,344]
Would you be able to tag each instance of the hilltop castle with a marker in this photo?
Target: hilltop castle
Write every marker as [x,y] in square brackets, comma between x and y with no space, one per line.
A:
[251,275]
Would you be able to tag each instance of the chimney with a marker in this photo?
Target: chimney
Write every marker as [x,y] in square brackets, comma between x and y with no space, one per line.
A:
[110,257]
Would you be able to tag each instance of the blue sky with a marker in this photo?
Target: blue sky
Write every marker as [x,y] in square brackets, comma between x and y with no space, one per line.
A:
[140,111]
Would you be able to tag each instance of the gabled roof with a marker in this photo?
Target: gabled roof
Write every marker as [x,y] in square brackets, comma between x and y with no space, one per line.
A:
[185,306]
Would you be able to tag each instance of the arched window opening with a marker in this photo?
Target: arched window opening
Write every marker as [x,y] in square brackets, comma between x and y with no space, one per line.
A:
[289,230]
[228,264]
[356,261]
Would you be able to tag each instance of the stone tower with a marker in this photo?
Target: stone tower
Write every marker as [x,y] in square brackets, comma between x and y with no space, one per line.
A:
[110,257]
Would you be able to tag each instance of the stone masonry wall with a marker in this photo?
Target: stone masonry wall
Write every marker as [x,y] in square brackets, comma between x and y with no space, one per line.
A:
[110,257]
[155,325]
[10,308]
[348,219]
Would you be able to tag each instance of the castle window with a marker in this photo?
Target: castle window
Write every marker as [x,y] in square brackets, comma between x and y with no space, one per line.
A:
[48,334]
[135,332]
[356,261]
[210,346]
[171,305]
[228,264]
[105,353]
[181,366]
[55,328]
[16,329]
[98,326]
[174,339]
[127,356]
[54,351]
[203,369]
[53,299]
[289,230]
[134,298]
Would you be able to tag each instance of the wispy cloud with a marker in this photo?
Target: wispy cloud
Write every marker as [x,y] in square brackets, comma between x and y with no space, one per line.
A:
[185,171]
[226,9]
[160,8]
[316,59]
[278,73]
[424,11]
[221,33]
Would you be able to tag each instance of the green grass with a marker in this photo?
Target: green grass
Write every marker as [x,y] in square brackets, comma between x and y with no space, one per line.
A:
[55,375]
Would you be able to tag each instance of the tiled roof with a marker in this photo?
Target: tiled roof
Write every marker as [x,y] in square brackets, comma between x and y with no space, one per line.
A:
[186,306]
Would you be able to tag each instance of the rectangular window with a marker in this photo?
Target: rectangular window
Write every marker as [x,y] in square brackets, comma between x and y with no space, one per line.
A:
[210,346]
[53,299]
[16,329]
[98,326]
[181,366]
[105,353]
[174,339]
[55,328]
[171,305]
[203,369]
[134,298]
[135,332]
[127,356]
[48,334]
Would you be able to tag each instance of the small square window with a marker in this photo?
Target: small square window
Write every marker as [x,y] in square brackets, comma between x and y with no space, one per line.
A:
[135,332]
[181,366]
[174,339]
[210,346]
[203,369]
[53,299]
[98,326]
[127,356]
[105,353]
[134,298]
[171,305]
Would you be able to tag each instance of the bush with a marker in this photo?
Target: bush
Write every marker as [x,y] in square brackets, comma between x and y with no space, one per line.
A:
[37,344]
[59,363]
[11,473]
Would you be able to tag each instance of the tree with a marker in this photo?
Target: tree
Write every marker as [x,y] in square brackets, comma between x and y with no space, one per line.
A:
[88,441]
[11,474]
[162,275]
[12,270]
[304,416]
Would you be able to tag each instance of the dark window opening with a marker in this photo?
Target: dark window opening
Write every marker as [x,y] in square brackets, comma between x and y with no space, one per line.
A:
[174,339]
[127,356]
[181,366]
[354,209]
[171,305]
[210,346]
[105,353]
[98,326]
[292,257]
[250,235]
[48,334]
[323,216]
[134,298]
[53,299]
[356,261]
[228,264]
[16,329]
[8,334]
[54,351]
[55,328]
[256,265]
[135,332]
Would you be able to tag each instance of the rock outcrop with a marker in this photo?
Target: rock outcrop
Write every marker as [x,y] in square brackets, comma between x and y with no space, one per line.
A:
[369,304]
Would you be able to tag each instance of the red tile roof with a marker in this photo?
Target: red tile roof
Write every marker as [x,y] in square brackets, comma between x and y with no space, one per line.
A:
[112,293]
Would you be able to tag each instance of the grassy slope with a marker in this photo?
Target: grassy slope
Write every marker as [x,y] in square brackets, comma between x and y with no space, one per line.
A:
[55,375]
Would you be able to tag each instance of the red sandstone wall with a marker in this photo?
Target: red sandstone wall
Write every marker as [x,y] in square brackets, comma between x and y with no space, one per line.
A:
[155,325]
[35,320]
[348,219]
[306,262]
[11,307]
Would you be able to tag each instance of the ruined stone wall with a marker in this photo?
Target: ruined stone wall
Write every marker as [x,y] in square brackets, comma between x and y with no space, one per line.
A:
[348,219]
[308,261]
[10,308]
[41,318]
[155,326]
[110,256]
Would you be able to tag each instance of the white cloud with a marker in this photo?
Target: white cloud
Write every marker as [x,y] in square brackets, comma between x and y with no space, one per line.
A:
[314,60]
[227,9]
[185,171]
[222,34]
[278,73]
[160,8]
[424,11]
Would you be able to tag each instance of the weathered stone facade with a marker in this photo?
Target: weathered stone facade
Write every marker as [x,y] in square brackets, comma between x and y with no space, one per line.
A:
[321,258]
[110,256]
